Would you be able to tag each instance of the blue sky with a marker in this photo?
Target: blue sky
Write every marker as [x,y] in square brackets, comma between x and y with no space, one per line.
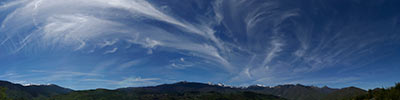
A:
[86,44]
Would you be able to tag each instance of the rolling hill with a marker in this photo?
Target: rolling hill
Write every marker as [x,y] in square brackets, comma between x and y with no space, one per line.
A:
[20,92]
[183,91]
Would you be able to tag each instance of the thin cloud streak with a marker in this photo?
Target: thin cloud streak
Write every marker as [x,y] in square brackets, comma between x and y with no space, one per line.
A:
[78,29]
[242,41]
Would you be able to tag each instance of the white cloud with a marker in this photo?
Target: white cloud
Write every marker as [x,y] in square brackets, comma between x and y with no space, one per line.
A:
[104,66]
[13,3]
[111,51]
[70,28]
[83,43]
[6,75]
[151,43]
[137,81]
[53,75]
[130,64]
[108,43]
[180,65]
[66,73]
[128,82]
[251,45]
[73,24]
[276,48]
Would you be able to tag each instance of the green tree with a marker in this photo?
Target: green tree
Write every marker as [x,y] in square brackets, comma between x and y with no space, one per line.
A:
[392,93]
[3,95]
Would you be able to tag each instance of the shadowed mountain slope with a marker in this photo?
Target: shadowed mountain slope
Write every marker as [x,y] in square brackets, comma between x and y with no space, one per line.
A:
[20,92]
[183,91]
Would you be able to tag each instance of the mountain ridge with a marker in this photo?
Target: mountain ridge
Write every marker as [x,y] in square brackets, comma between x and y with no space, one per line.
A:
[19,91]
[288,91]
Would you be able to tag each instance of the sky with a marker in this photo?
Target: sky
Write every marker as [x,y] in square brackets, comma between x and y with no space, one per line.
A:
[88,44]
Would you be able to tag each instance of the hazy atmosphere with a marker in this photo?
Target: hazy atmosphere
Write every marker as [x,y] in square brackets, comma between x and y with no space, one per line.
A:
[88,44]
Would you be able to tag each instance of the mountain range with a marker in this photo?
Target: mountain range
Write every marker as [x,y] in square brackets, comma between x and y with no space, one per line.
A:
[20,92]
[182,91]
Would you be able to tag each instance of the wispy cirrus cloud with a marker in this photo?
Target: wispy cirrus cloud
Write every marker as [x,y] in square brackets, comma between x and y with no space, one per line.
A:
[244,41]
[81,28]
[129,81]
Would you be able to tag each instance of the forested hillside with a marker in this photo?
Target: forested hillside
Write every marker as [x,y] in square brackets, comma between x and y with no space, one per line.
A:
[392,93]
[196,91]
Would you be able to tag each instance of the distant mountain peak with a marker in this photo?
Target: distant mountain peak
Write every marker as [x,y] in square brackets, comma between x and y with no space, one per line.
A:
[32,84]
[353,88]
[29,91]
[289,91]
[260,85]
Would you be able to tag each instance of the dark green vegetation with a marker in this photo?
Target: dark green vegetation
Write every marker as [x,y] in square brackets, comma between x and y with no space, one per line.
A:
[345,94]
[196,91]
[392,93]
[3,95]
[38,92]
[301,92]
[177,91]
[101,94]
